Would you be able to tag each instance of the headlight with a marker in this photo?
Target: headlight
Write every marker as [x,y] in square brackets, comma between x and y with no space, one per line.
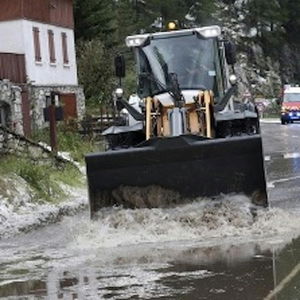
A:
[232,79]
[119,92]
[136,40]
[209,31]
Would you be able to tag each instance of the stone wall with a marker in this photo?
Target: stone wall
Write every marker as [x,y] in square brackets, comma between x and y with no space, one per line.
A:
[17,144]
[38,101]
[10,94]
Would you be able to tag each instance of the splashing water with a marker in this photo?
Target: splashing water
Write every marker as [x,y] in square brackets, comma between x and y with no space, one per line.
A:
[203,219]
[136,251]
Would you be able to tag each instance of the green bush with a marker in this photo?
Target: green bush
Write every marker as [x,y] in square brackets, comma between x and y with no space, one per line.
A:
[95,71]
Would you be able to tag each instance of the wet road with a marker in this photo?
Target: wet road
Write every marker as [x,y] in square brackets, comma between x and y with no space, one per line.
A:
[282,161]
[200,251]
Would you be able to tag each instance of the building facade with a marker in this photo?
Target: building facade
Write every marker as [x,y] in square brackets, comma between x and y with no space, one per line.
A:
[37,54]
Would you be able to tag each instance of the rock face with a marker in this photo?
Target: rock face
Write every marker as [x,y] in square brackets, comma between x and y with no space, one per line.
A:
[259,72]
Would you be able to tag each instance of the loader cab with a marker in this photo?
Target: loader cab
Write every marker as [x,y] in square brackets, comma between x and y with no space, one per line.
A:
[196,56]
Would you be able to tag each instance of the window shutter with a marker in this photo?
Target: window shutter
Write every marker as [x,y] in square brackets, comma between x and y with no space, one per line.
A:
[51,46]
[37,45]
[65,47]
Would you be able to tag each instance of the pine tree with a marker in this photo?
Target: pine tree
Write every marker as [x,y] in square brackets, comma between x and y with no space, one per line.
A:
[202,11]
[292,22]
[168,9]
[135,16]
[95,19]
[131,17]
[266,16]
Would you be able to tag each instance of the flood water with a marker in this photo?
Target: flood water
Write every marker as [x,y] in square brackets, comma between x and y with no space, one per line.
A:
[202,250]
[197,251]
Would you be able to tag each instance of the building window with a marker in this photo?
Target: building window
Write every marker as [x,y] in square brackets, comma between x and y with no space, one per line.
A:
[65,48]
[51,46]
[37,45]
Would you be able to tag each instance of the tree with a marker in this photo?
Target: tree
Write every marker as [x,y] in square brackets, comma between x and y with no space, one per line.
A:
[292,21]
[95,19]
[131,17]
[266,16]
[268,19]
[202,11]
[135,16]
[95,70]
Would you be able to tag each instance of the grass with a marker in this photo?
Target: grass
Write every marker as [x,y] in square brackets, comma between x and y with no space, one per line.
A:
[44,179]
[47,179]
[69,140]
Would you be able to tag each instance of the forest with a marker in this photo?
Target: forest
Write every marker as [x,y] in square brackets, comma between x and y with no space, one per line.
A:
[102,26]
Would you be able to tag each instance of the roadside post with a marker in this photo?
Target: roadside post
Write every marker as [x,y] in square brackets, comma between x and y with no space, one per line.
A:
[53,113]
[52,120]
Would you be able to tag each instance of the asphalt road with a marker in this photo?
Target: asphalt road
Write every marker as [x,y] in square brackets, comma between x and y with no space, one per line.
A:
[282,162]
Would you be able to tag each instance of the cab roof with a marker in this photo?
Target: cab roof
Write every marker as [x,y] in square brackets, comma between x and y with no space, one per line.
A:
[288,89]
[204,32]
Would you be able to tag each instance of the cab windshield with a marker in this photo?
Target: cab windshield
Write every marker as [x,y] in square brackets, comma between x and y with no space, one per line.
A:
[193,59]
[291,97]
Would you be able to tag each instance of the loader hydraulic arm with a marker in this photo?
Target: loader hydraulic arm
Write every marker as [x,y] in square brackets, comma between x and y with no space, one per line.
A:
[131,110]
[175,91]
[224,101]
[172,87]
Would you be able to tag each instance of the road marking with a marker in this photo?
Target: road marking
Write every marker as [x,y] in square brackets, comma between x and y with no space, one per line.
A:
[283,283]
[291,155]
[270,121]
[277,156]
[271,184]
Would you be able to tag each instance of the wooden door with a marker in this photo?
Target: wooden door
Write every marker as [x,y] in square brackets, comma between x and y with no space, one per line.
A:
[69,104]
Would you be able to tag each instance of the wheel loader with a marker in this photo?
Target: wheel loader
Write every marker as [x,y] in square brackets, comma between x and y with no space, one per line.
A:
[186,133]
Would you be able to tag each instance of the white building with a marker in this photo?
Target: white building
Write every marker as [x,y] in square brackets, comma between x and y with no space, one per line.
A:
[37,52]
